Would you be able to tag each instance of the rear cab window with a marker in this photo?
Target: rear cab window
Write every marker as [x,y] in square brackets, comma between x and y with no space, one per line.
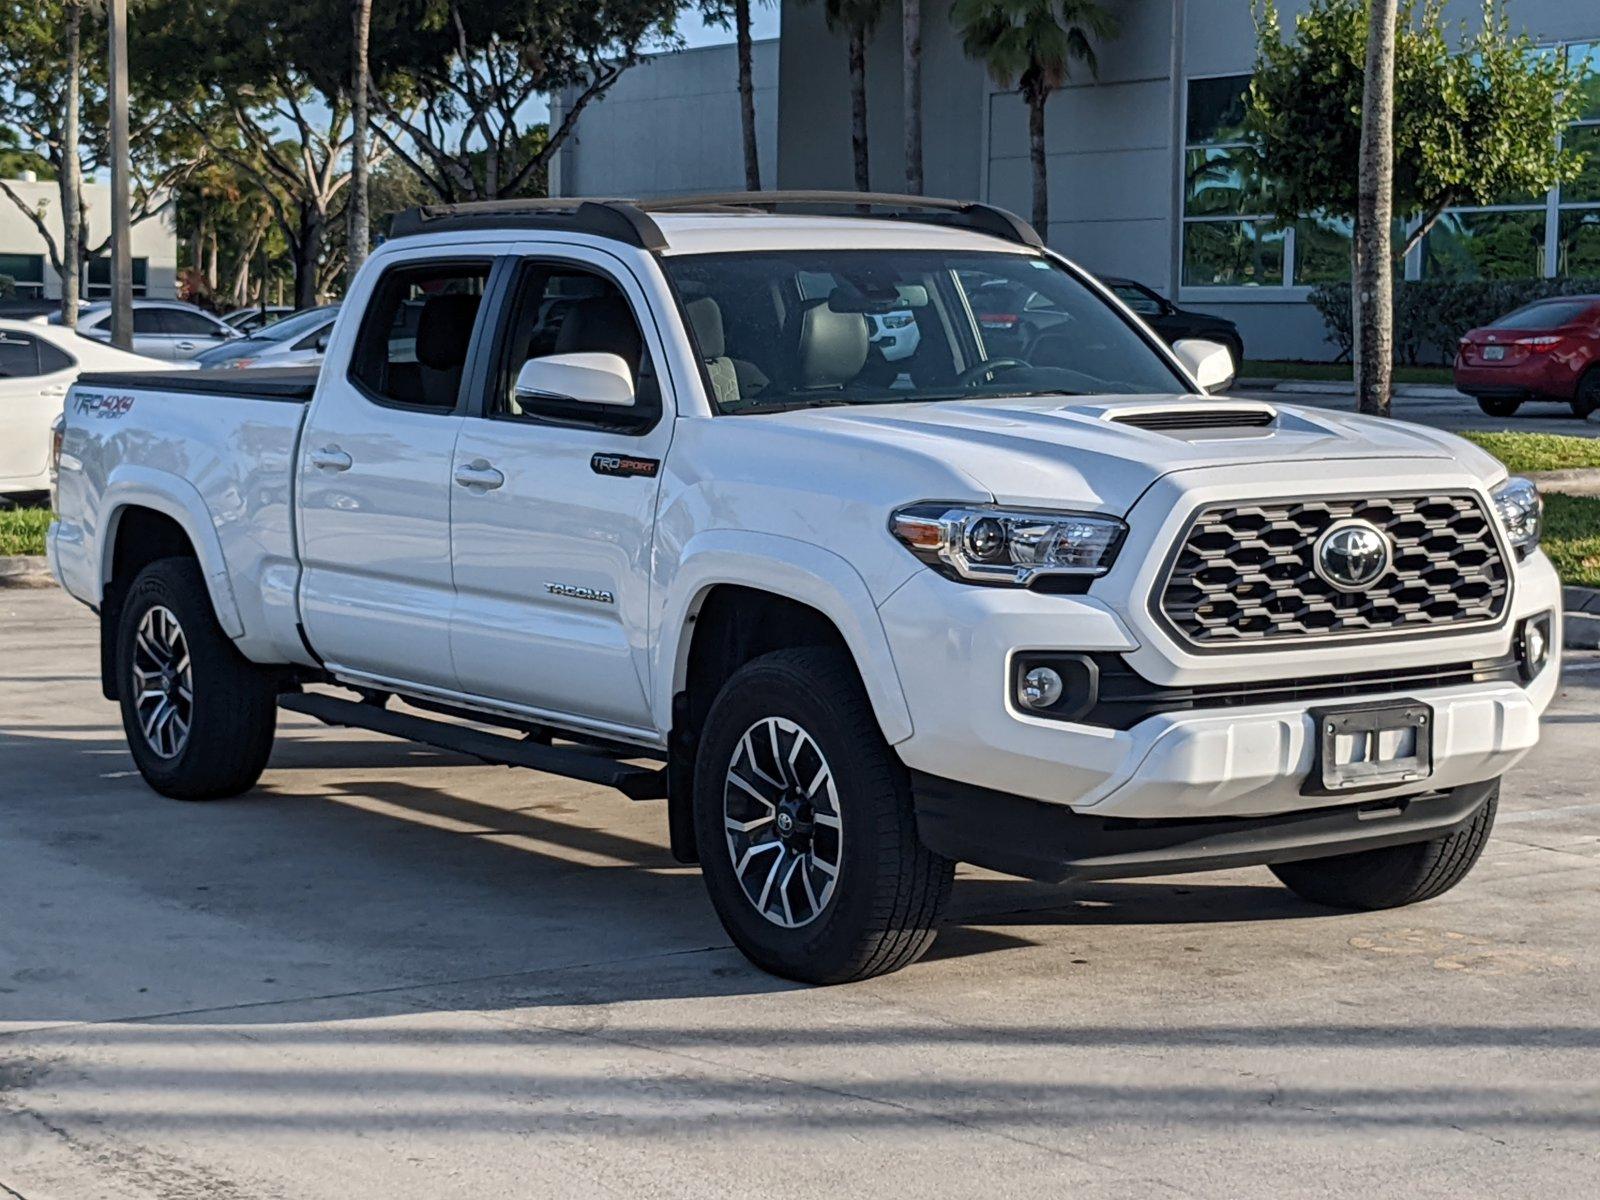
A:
[412,346]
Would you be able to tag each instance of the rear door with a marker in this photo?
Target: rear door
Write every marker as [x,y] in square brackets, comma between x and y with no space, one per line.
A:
[34,376]
[375,484]
[555,503]
[187,333]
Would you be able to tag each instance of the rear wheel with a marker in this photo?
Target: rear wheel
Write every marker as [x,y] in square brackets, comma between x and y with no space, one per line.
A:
[198,715]
[1499,406]
[805,827]
[1586,400]
[1396,875]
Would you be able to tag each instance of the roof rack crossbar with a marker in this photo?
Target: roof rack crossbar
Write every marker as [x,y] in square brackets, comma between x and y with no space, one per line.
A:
[629,221]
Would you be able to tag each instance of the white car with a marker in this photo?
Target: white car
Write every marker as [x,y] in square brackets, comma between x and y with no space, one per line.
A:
[38,363]
[621,485]
[168,329]
[296,341]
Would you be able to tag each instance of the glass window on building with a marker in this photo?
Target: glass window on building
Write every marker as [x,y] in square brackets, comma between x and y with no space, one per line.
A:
[1228,234]
[100,277]
[1486,244]
[1577,240]
[26,271]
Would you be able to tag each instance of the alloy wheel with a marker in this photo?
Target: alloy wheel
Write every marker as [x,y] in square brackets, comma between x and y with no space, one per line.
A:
[163,682]
[781,816]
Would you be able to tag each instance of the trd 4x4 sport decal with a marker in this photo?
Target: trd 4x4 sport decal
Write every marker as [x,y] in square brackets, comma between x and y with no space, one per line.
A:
[624,464]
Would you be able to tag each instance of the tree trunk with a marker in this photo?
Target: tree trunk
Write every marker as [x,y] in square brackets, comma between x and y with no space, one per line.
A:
[356,237]
[307,254]
[1041,182]
[1374,280]
[858,107]
[71,182]
[911,78]
[747,96]
[211,264]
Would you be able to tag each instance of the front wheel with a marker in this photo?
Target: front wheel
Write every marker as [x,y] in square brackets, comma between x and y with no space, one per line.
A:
[198,715]
[805,827]
[1395,875]
[1498,406]
[1586,400]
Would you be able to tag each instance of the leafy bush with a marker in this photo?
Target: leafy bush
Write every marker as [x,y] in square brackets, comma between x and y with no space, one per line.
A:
[1430,315]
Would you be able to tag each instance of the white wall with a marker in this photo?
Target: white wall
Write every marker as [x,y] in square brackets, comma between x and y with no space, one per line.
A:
[155,239]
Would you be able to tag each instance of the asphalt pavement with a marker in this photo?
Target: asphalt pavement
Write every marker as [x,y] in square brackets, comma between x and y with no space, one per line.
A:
[392,973]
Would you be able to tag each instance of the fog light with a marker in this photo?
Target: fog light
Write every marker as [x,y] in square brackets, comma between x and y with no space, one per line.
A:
[1041,687]
[1533,645]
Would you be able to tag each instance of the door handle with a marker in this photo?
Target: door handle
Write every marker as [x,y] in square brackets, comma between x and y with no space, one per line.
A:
[330,458]
[185,345]
[479,474]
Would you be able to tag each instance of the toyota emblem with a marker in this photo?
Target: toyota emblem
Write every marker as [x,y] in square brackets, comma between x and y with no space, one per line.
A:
[1352,555]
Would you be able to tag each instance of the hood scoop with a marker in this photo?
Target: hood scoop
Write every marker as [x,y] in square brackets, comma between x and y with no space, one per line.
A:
[1195,416]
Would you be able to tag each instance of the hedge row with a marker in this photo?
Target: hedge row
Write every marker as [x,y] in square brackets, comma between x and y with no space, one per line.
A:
[1430,315]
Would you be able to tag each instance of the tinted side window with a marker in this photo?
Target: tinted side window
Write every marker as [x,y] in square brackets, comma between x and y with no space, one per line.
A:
[145,320]
[416,332]
[187,324]
[19,356]
[53,359]
[565,309]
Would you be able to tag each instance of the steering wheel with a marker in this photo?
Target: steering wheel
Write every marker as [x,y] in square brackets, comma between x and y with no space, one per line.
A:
[989,366]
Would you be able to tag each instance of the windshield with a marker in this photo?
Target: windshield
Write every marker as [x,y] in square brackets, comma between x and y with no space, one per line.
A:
[294,326]
[797,329]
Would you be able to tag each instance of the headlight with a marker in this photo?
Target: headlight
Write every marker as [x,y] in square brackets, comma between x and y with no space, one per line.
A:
[980,544]
[1521,510]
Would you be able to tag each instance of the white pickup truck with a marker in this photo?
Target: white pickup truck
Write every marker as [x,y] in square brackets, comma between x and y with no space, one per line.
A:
[626,492]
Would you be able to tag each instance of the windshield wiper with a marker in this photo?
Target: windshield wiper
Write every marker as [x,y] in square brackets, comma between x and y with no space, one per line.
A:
[776,406]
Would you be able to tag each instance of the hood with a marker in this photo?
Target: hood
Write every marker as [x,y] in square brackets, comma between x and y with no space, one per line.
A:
[1103,452]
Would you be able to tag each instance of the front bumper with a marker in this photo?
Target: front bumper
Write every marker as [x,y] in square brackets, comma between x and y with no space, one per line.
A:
[1051,843]
[953,645]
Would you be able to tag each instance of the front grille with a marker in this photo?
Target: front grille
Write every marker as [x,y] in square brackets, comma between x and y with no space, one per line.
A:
[1244,574]
[1199,418]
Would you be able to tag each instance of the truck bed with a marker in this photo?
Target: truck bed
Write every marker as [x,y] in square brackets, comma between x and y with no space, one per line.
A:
[293,385]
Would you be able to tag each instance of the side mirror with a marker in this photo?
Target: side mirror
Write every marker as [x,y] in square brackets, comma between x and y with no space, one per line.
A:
[1210,363]
[586,378]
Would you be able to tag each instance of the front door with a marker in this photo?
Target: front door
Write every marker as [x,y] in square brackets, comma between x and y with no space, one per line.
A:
[375,484]
[34,376]
[555,506]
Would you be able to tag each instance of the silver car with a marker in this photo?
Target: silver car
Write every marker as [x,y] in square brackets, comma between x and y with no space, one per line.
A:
[167,329]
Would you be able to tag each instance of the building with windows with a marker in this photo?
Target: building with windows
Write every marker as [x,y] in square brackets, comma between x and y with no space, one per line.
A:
[1144,172]
[25,255]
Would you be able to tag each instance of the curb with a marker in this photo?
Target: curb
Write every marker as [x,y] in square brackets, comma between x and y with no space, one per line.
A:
[1319,387]
[24,570]
[1571,481]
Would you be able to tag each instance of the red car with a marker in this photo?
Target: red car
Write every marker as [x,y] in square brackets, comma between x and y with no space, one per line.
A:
[1547,350]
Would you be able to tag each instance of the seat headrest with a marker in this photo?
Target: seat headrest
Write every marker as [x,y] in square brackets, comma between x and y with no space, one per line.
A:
[830,347]
[705,320]
[444,329]
[601,324]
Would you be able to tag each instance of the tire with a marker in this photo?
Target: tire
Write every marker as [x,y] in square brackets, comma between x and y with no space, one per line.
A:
[1498,406]
[231,703]
[1395,875]
[880,908]
[1586,400]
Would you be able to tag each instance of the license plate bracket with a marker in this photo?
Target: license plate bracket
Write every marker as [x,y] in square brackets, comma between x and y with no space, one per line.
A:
[1364,746]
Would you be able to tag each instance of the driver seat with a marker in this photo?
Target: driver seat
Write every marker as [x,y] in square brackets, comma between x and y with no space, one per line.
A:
[828,348]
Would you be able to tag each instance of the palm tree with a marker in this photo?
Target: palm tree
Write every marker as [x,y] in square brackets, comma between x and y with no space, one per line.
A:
[858,18]
[357,239]
[1033,43]
[911,80]
[736,13]
[1374,266]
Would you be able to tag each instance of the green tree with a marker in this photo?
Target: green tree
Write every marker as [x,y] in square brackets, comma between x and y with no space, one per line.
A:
[1033,44]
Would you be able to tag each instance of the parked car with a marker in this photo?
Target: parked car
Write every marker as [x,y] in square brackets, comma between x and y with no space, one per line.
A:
[629,503]
[38,363]
[296,341]
[168,329]
[1172,322]
[248,320]
[895,334]
[1545,351]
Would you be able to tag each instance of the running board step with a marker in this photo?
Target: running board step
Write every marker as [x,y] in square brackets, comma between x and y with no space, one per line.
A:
[637,783]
